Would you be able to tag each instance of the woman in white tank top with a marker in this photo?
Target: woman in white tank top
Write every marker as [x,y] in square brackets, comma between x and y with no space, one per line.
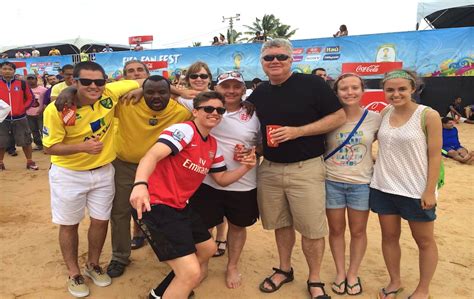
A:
[405,179]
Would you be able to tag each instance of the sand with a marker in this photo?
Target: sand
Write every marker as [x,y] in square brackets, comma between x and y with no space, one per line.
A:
[32,265]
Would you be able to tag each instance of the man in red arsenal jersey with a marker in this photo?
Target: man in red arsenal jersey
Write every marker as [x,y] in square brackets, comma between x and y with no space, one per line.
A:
[167,176]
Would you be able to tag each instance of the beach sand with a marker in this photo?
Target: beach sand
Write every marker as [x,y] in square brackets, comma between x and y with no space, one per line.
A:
[32,266]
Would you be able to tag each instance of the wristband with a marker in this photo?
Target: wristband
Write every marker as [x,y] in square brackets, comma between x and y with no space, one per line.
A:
[140,183]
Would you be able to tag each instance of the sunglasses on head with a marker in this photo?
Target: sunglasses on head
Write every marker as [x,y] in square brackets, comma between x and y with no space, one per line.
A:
[210,109]
[87,82]
[229,74]
[202,76]
[279,57]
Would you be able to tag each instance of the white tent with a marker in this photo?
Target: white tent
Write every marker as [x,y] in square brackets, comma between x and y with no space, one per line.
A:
[427,7]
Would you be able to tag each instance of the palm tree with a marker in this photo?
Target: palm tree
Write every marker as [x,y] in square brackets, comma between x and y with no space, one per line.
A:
[234,36]
[196,44]
[270,27]
[283,31]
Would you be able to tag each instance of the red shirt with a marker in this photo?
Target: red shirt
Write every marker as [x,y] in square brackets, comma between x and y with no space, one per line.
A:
[12,93]
[178,176]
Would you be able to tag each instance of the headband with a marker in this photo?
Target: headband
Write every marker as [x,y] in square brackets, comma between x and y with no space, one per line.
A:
[399,74]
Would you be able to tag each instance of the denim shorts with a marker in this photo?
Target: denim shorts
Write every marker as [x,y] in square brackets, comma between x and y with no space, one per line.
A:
[341,195]
[408,208]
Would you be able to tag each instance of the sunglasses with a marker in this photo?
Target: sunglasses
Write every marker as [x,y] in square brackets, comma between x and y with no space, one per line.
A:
[87,82]
[210,109]
[202,76]
[279,57]
[229,74]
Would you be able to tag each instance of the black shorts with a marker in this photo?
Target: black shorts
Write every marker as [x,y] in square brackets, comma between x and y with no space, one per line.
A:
[171,232]
[239,207]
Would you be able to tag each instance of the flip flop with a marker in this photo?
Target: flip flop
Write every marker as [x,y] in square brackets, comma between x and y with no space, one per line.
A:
[336,287]
[350,287]
[385,293]
[220,251]
[289,277]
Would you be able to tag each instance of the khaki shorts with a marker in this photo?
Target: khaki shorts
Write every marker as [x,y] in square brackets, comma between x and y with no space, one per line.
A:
[293,194]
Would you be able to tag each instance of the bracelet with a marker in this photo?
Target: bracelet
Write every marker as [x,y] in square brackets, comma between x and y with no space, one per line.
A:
[140,183]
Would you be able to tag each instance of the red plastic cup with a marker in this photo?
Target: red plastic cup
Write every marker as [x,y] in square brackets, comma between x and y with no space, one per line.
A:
[270,142]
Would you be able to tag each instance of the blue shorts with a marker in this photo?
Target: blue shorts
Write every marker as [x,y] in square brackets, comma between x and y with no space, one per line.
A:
[408,208]
[341,195]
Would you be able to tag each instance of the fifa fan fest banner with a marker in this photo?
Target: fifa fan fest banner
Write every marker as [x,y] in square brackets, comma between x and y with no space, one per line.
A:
[440,53]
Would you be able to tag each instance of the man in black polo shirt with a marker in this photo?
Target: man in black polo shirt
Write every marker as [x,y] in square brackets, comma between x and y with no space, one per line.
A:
[295,111]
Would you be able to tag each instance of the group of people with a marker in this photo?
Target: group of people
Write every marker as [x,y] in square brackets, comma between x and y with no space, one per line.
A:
[183,161]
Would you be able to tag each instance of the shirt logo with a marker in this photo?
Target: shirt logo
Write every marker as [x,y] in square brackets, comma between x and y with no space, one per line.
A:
[211,154]
[45,131]
[244,116]
[106,103]
[177,135]
[152,121]
[202,161]
[96,125]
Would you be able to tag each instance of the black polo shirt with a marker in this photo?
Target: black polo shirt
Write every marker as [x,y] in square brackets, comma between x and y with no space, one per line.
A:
[300,100]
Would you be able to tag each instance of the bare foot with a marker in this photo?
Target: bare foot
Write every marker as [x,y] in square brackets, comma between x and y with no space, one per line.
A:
[233,278]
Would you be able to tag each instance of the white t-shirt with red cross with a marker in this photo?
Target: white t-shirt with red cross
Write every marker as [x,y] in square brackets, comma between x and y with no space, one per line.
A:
[178,176]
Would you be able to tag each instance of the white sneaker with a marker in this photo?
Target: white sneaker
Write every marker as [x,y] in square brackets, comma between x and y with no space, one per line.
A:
[98,276]
[77,287]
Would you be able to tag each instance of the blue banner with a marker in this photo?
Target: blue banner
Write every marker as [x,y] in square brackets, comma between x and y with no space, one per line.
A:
[442,52]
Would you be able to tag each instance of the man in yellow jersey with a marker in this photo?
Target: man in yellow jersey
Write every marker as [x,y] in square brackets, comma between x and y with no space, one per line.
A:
[139,128]
[80,140]
[67,72]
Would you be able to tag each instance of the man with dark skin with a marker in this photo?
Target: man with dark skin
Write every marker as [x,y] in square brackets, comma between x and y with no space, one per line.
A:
[138,129]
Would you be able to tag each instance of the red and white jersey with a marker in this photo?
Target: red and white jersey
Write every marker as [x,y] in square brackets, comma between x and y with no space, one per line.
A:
[178,176]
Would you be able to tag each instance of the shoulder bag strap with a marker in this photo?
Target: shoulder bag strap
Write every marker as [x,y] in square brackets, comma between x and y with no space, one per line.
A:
[348,137]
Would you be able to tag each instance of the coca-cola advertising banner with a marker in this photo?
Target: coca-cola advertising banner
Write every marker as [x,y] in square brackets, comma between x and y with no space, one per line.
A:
[142,39]
[370,68]
[373,100]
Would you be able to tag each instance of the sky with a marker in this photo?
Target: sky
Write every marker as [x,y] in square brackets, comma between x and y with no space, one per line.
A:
[179,23]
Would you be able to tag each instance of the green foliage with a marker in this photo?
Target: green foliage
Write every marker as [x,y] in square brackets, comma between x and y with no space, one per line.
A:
[270,27]
[196,44]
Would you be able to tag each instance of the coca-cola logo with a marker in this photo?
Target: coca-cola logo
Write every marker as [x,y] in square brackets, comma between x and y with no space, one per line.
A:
[376,106]
[373,68]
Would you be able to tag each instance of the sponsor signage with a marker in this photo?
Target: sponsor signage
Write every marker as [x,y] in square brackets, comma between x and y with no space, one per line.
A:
[154,65]
[332,56]
[370,68]
[142,39]
[298,51]
[297,58]
[313,57]
[373,100]
[313,50]
[334,49]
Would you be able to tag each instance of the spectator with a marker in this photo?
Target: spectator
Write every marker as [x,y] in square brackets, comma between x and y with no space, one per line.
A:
[138,47]
[54,52]
[215,41]
[342,31]
[455,111]
[107,49]
[18,54]
[469,109]
[26,54]
[19,97]
[258,38]
[295,112]
[35,53]
[4,55]
[67,71]
[52,80]
[320,72]
[255,82]
[34,114]
[84,56]
[135,69]
[452,148]
[222,40]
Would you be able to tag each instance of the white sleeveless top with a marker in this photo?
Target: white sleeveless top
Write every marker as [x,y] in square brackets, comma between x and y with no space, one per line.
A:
[402,161]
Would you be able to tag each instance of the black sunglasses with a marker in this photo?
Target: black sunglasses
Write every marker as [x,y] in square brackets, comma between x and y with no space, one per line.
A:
[202,76]
[210,109]
[87,82]
[279,57]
